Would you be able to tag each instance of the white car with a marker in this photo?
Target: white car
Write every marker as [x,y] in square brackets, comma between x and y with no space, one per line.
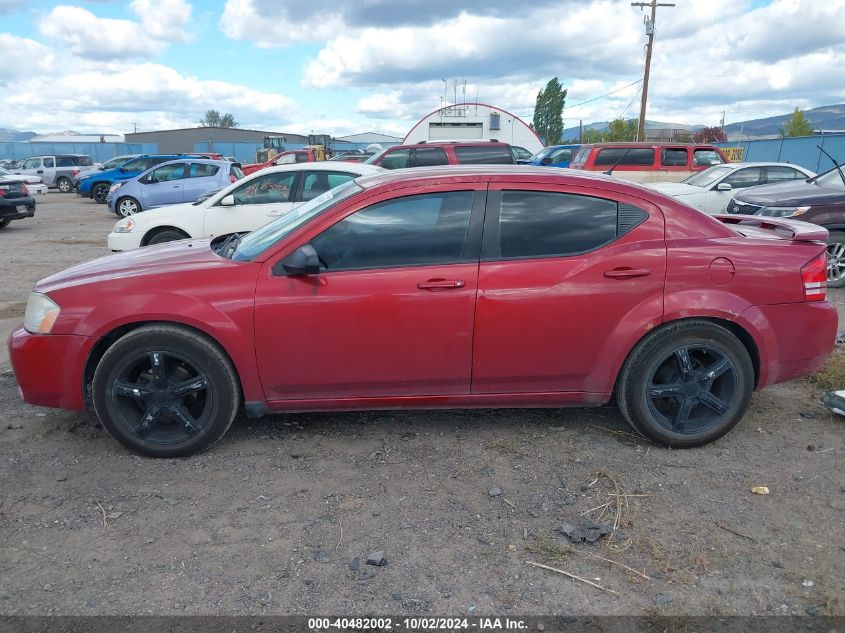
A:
[711,190]
[33,183]
[245,205]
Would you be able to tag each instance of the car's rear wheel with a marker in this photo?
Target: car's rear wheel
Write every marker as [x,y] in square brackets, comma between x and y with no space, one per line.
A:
[167,235]
[100,192]
[165,391]
[836,259]
[127,206]
[686,384]
[64,185]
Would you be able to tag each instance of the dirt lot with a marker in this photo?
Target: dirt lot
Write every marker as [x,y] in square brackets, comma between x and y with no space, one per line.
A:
[282,514]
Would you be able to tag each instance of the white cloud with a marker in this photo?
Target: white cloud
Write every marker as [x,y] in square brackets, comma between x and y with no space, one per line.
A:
[151,95]
[86,35]
[270,26]
[23,57]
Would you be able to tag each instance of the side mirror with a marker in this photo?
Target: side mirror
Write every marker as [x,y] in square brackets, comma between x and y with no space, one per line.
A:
[547,160]
[303,261]
[228,201]
[723,186]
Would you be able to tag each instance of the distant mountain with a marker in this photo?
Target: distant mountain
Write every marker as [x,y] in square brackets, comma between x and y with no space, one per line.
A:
[8,135]
[601,126]
[830,117]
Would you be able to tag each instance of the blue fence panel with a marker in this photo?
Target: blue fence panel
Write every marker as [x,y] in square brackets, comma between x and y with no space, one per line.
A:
[99,152]
[802,150]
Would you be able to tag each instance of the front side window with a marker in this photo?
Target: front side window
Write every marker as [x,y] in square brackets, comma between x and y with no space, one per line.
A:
[397,159]
[202,170]
[410,231]
[561,155]
[166,173]
[484,155]
[316,183]
[548,224]
[747,177]
[266,189]
[707,157]
[31,163]
[429,157]
[625,156]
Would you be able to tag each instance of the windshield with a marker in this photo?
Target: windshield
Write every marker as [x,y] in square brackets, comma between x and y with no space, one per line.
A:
[541,154]
[708,176]
[830,179]
[259,240]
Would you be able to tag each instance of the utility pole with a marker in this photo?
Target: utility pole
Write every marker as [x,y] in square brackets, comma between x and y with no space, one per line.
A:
[649,29]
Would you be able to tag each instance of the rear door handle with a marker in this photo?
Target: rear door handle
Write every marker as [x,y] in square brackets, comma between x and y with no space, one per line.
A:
[441,284]
[627,273]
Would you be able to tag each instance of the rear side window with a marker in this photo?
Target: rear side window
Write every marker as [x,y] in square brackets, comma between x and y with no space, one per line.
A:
[484,155]
[84,161]
[747,177]
[411,231]
[628,156]
[166,173]
[430,156]
[202,170]
[318,182]
[674,157]
[64,161]
[397,159]
[547,224]
[779,174]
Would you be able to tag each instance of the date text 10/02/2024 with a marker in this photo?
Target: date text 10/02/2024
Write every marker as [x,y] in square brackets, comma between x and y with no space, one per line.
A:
[416,624]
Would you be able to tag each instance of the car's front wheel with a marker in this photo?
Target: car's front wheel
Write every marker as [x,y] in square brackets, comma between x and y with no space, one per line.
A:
[64,185]
[686,384]
[4,223]
[100,193]
[165,391]
[836,259]
[167,235]
[127,206]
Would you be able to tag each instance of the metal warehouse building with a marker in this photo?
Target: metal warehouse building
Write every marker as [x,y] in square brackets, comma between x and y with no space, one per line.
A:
[204,139]
[474,121]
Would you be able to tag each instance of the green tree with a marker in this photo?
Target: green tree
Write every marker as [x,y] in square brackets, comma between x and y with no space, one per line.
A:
[622,130]
[798,125]
[548,110]
[214,119]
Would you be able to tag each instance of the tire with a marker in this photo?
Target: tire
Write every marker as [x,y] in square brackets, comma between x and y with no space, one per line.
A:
[180,409]
[100,192]
[127,206]
[64,185]
[4,223]
[167,235]
[684,408]
[836,259]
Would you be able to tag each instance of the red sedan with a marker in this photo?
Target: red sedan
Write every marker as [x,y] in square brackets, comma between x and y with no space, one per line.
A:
[443,287]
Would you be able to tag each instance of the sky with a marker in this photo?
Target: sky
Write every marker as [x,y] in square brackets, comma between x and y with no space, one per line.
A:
[348,66]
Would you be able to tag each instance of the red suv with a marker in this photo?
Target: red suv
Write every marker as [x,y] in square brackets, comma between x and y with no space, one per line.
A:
[648,162]
[451,153]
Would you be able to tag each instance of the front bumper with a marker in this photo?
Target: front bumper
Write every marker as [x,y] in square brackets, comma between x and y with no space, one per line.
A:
[17,208]
[119,242]
[49,367]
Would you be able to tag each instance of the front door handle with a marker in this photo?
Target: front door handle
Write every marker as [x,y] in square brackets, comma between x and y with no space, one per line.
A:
[441,284]
[627,273]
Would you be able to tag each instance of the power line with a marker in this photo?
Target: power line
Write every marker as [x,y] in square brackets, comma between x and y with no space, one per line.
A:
[607,94]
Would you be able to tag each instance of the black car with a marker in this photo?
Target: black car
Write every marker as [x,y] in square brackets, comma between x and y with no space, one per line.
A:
[820,200]
[15,201]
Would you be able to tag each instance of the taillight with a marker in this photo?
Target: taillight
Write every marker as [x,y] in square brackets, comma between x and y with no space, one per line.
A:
[74,172]
[24,190]
[814,276]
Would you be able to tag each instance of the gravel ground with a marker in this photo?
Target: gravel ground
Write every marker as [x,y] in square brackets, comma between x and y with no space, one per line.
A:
[280,517]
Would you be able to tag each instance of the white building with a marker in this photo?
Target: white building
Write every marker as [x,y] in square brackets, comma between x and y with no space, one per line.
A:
[472,122]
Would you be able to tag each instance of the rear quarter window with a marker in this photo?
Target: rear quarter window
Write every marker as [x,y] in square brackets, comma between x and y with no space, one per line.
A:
[484,155]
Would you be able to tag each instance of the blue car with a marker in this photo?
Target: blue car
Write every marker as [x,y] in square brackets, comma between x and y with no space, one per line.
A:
[173,182]
[553,156]
[96,184]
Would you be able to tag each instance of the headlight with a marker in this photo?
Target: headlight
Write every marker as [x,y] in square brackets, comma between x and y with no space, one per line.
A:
[782,212]
[115,186]
[124,226]
[41,314]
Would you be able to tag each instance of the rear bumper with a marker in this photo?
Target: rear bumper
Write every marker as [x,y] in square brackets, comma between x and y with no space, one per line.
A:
[48,368]
[794,339]
[17,208]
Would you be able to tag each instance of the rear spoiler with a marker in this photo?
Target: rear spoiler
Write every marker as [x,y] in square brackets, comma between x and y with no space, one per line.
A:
[794,230]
